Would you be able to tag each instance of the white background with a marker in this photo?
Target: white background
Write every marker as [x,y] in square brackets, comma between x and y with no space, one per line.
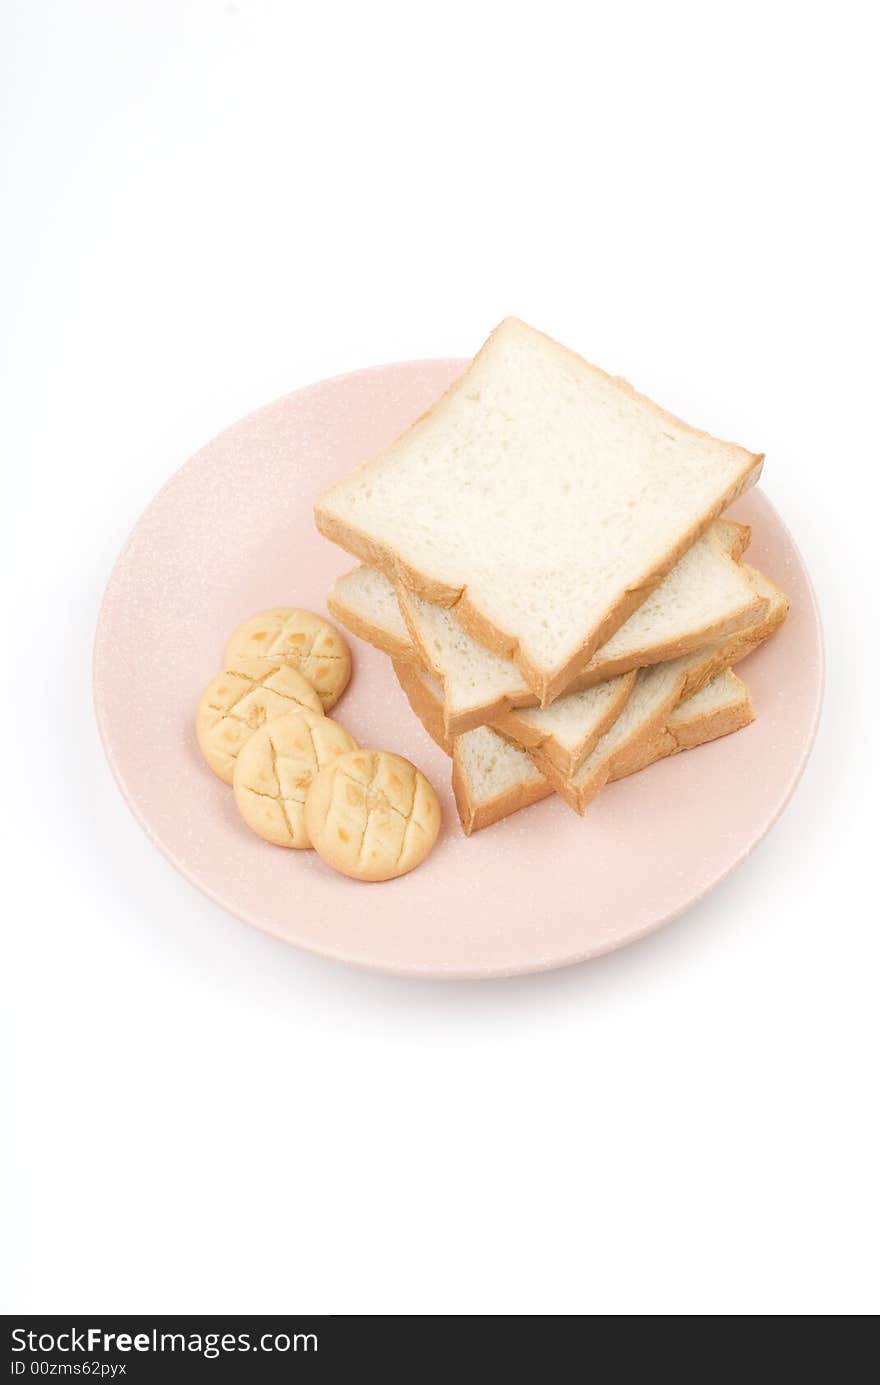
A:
[207,205]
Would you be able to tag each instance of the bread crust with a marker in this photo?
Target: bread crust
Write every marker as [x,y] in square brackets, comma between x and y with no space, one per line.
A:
[578,795]
[375,635]
[743,619]
[628,757]
[660,740]
[486,713]
[735,536]
[514,729]
[474,817]
[680,735]
[547,684]
[502,712]
[743,642]
[427,708]
[521,732]
[552,755]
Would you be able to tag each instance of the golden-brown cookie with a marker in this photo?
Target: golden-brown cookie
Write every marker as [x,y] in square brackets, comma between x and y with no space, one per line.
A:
[238,701]
[300,639]
[372,815]
[275,768]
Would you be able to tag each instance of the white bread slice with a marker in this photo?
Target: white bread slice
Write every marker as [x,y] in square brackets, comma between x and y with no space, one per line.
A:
[777,609]
[365,602]
[658,691]
[723,706]
[565,733]
[705,596]
[492,779]
[425,695]
[542,497]
[478,686]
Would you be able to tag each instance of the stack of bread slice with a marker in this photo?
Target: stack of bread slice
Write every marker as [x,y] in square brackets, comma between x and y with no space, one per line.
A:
[545,560]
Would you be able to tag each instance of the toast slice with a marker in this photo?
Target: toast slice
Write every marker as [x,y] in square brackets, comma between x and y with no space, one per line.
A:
[723,706]
[705,596]
[658,691]
[541,497]
[365,602]
[425,696]
[564,734]
[492,779]
[702,599]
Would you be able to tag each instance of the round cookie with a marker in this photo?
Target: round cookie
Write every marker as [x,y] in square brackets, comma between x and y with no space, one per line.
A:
[372,815]
[300,639]
[238,701]
[275,768]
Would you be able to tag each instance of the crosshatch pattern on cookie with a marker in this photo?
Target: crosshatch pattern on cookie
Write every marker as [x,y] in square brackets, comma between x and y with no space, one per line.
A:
[376,815]
[276,768]
[240,700]
[301,639]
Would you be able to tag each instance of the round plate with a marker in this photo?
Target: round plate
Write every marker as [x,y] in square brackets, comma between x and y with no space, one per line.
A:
[231,534]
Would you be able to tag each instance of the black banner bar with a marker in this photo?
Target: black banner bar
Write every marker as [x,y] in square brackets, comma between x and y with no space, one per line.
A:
[145,1348]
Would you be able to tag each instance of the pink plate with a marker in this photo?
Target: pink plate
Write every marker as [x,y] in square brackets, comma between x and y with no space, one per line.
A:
[232,533]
